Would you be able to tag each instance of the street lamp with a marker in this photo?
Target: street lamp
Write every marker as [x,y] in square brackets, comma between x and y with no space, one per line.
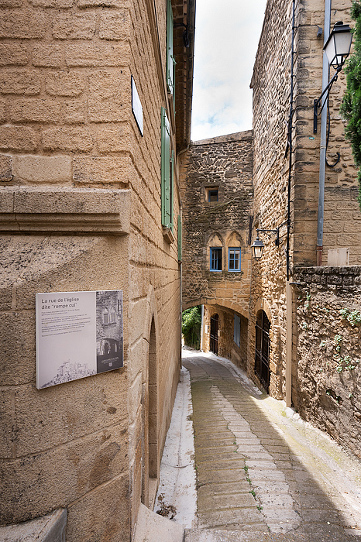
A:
[258,245]
[338,45]
[257,248]
[337,49]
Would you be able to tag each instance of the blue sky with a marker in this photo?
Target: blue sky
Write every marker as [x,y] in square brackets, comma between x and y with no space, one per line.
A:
[227,34]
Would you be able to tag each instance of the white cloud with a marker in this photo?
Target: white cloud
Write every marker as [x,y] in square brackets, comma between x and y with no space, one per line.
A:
[227,35]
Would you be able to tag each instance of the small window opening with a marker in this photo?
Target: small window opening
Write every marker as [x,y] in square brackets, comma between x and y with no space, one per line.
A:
[212,194]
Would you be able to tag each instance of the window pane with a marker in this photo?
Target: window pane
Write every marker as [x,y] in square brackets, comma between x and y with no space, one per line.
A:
[234,259]
[216,259]
[212,195]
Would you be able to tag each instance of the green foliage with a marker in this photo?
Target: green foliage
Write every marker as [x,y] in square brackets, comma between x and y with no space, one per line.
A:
[343,362]
[353,317]
[191,326]
[351,104]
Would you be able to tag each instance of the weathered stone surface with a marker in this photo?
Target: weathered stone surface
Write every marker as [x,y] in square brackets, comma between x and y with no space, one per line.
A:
[223,163]
[328,379]
[66,120]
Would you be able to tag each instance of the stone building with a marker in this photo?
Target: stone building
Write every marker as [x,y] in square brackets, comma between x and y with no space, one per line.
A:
[217,206]
[301,302]
[89,175]
[302,181]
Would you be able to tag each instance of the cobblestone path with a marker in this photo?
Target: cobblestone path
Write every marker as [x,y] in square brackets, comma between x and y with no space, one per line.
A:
[256,481]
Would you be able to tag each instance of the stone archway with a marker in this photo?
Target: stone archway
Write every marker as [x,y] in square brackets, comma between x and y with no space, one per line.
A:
[150,426]
[262,366]
[213,343]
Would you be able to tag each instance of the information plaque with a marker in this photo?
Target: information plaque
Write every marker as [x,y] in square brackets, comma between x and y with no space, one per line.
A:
[78,334]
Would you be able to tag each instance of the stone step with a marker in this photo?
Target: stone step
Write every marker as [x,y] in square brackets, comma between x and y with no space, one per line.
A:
[152,527]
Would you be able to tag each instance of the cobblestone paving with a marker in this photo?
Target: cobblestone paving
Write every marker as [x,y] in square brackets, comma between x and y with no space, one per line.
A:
[251,485]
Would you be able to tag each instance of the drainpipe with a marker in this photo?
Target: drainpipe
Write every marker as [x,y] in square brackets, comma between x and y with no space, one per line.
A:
[202,330]
[289,307]
[322,175]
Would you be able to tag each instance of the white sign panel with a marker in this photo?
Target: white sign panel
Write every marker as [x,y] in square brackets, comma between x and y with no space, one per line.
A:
[78,334]
[137,107]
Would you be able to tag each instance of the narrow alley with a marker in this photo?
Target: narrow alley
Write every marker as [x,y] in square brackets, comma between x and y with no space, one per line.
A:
[262,474]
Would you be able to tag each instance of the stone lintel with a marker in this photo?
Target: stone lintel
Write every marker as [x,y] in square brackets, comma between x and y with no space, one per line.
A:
[64,210]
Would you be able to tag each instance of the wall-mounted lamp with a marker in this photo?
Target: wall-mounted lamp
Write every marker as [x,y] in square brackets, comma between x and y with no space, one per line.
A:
[258,245]
[337,49]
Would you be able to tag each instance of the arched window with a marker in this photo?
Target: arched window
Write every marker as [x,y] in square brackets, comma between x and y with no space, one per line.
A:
[215,248]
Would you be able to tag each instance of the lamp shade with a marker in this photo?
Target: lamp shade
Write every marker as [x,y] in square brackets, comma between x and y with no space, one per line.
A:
[257,248]
[338,45]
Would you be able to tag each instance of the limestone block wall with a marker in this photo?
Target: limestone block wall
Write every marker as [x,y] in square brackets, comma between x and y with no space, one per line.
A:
[223,163]
[226,345]
[271,85]
[342,215]
[326,387]
[81,210]
[271,94]
[154,272]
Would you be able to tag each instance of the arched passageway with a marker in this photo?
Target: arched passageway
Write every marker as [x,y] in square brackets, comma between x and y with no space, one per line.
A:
[150,447]
[262,368]
[213,339]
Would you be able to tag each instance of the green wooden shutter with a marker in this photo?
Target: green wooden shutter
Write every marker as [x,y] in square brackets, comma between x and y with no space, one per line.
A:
[179,238]
[166,172]
[170,53]
[171,187]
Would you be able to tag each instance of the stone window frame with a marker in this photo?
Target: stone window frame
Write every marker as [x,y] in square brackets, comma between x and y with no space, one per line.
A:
[238,249]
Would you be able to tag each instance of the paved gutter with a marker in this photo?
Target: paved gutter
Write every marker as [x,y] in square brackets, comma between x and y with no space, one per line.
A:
[262,473]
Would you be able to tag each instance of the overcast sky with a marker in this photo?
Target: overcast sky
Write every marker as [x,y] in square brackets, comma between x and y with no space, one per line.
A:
[227,34]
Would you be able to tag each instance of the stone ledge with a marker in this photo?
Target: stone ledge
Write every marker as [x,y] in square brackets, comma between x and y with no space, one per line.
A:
[168,235]
[64,210]
[49,528]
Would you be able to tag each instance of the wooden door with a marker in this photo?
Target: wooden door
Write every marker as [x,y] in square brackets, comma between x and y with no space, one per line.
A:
[262,349]
[213,345]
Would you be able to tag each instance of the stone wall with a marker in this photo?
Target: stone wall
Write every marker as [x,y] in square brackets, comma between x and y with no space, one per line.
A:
[271,94]
[226,345]
[327,378]
[342,215]
[271,85]
[223,163]
[81,210]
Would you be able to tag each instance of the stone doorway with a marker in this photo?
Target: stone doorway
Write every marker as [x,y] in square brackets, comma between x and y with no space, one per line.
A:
[262,349]
[213,344]
[150,446]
